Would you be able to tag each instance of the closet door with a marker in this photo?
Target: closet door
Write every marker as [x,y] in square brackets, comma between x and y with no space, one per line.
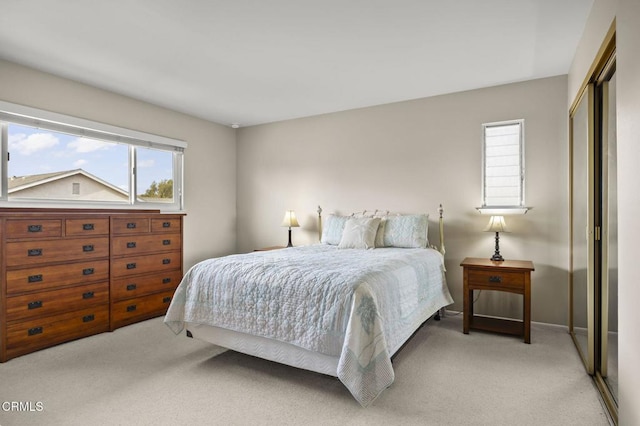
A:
[581,279]
[607,365]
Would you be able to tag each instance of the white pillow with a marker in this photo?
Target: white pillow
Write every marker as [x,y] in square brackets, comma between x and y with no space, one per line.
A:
[359,233]
[332,229]
[407,231]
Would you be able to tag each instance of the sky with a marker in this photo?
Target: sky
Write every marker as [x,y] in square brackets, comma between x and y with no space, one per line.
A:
[36,151]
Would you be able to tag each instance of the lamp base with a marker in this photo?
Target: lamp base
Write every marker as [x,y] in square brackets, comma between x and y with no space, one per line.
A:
[289,244]
[497,257]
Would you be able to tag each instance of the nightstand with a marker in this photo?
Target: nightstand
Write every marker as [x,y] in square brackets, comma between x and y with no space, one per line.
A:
[513,276]
[270,248]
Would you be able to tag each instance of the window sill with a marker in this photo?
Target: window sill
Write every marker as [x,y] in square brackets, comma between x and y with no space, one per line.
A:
[503,211]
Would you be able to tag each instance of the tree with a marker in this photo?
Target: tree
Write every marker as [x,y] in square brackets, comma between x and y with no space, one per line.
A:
[162,189]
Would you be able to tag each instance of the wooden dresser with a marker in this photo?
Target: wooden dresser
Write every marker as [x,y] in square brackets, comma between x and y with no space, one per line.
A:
[67,274]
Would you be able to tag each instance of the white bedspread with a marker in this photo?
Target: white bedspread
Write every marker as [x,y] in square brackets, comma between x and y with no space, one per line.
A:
[358,305]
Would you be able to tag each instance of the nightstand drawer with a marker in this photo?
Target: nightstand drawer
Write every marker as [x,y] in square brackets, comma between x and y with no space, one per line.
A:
[496,278]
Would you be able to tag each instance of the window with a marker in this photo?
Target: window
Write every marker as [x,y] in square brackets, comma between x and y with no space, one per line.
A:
[49,158]
[503,167]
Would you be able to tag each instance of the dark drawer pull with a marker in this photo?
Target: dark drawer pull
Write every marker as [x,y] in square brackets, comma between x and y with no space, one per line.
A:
[88,295]
[166,280]
[166,299]
[131,266]
[131,245]
[495,279]
[87,248]
[131,308]
[166,261]
[131,287]
[166,242]
[35,330]
[88,227]
[35,305]
[34,228]
[87,271]
[88,318]
[131,225]
[34,252]
[166,224]
[35,278]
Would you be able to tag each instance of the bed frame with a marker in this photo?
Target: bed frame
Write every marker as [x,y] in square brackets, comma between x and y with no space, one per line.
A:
[286,353]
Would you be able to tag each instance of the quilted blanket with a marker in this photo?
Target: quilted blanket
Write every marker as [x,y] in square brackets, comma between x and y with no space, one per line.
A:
[358,305]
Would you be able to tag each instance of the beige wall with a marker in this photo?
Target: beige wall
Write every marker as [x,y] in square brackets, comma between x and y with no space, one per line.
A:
[210,159]
[628,93]
[410,157]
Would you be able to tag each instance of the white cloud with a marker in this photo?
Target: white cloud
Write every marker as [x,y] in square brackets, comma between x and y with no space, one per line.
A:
[27,145]
[88,145]
[78,164]
[147,163]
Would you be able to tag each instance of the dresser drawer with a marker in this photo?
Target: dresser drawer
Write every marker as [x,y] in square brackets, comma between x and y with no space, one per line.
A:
[38,278]
[141,244]
[135,265]
[140,308]
[31,335]
[496,278]
[86,227]
[56,301]
[126,288]
[130,225]
[34,252]
[166,224]
[33,228]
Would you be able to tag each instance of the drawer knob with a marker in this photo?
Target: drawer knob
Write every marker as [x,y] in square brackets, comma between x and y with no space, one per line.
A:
[88,318]
[495,279]
[88,227]
[166,261]
[166,280]
[35,305]
[131,266]
[131,287]
[166,242]
[131,308]
[34,278]
[87,248]
[166,299]
[166,224]
[131,244]
[34,228]
[87,271]
[34,252]
[88,295]
[35,330]
[131,225]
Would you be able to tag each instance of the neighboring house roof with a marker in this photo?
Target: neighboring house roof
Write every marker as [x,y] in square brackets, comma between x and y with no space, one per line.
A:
[19,183]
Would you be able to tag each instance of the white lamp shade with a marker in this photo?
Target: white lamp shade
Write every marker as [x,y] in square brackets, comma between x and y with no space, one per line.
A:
[496,224]
[290,219]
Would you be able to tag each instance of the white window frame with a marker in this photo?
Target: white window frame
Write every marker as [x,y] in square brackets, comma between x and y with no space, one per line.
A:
[20,114]
[503,209]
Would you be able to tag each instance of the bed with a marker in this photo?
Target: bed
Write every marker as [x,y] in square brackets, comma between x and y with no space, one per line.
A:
[341,307]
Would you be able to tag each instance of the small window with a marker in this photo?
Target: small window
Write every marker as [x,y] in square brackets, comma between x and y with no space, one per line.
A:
[75,188]
[503,165]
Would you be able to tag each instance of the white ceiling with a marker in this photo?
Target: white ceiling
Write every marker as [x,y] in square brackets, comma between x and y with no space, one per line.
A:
[252,62]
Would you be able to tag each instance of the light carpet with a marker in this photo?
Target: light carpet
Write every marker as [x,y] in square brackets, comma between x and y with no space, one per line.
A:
[145,375]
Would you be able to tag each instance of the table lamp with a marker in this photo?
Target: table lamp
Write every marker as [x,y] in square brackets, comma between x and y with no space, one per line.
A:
[497,225]
[290,221]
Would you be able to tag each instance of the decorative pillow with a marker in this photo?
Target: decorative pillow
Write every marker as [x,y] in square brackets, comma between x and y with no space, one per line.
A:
[360,233]
[332,229]
[380,234]
[408,231]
